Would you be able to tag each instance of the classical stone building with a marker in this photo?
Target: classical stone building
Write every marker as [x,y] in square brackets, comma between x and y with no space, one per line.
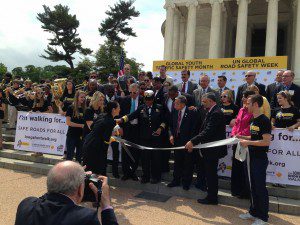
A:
[232,28]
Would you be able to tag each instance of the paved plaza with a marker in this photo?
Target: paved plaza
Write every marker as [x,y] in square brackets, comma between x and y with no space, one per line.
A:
[14,186]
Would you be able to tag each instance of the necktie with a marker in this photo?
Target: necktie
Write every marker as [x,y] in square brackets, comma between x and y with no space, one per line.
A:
[183,88]
[132,107]
[178,123]
[220,91]
[172,107]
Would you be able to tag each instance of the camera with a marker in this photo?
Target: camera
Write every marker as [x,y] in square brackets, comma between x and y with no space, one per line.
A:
[89,195]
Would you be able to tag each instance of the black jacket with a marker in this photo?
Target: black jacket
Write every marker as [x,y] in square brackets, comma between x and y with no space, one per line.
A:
[58,209]
[213,129]
[271,88]
[243,87]
[188,126]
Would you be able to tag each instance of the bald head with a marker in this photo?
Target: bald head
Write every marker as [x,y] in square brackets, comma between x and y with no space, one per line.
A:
[65,178]
[250,77]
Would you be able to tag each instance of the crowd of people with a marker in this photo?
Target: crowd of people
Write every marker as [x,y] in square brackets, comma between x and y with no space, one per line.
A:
[155,112]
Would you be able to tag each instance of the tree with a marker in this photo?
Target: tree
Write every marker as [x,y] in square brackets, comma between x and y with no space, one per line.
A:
[63,26]
[108,58]
[3,70]
[18,71]
[117,22]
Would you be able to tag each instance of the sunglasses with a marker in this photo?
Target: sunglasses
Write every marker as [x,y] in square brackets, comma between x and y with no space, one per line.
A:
[146,80]
[224,96]
[93,77]
[132,92]
[249,75]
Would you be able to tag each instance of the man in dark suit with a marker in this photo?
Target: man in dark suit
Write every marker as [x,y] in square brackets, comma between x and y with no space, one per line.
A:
[287,85]
[186,86]
[183,125]
[222,80]
[250,79]
[65,185]
[128,105]
[213,129]
[158,89]
[272,87]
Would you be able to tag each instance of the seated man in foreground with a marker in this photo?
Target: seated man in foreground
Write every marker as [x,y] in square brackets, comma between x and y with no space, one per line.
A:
[59,206]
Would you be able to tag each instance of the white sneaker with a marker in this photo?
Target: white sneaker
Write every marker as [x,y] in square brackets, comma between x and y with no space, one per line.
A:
[259,222]
[246,216]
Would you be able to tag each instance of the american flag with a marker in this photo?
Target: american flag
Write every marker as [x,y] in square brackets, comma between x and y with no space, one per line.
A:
[121,71]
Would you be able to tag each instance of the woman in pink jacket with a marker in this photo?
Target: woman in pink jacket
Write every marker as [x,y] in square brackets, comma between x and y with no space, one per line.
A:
[239,184]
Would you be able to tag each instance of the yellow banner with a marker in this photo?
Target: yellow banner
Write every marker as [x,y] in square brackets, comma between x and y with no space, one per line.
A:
[249,63]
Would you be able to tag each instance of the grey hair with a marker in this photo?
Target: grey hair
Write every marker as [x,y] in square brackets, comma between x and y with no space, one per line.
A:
[65,178]
[205,75]
[182,99]
[211,96]
[134,86]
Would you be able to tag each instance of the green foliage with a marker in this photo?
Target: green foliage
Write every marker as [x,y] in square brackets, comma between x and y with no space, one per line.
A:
[108,59]
[117,22]
[63,26]
[3,70]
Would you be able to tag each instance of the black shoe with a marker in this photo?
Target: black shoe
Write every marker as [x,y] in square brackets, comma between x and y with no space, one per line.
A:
[173,184]
[186,187]
[145,180]
[134,177]
[206,201]
[154,181]
[125,177]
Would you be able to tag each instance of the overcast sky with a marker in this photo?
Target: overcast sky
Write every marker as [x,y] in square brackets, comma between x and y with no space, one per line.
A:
[22,40]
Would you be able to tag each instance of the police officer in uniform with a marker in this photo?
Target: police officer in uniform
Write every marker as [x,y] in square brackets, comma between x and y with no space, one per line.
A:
[151,124]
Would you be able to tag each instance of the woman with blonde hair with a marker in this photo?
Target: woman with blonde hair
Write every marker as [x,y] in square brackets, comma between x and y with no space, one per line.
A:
[265,109]
[229,109]
[40,103]
[95,108]
[75,121]
[285,116]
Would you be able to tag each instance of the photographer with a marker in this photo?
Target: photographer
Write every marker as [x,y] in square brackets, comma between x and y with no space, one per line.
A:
[65,185]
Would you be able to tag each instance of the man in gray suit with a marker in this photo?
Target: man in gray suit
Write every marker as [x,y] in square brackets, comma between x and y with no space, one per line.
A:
[203,89]
[186,86]
[222,80]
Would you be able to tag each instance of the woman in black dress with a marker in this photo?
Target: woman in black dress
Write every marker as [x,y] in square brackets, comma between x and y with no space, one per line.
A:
[95,108]
[67,97]
[97,141]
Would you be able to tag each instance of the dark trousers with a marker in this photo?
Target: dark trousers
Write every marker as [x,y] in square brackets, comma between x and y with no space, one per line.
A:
[260,206]
[183,167]
[200,170]
[238,176]
[129,166]
[73,142]
[151,160]
[115,153]
[211,176]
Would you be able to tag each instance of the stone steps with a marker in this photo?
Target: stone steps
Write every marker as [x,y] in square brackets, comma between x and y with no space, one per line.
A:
[277,204]
[291,192]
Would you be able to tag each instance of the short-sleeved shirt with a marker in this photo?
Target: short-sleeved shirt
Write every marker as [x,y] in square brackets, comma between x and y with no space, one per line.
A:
[285,117]
[67,100]
[75,131]
[230,112]
[89,115]
[259,126]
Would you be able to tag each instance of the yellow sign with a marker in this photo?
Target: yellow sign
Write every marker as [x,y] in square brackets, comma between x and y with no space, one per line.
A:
[249,63]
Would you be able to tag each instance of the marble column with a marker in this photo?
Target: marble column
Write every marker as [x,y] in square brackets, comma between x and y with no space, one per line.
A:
[297,46]
[182,37]
[176,34]
[241,30]
[191,29]
[168,45]
[215,28]
[272,26]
